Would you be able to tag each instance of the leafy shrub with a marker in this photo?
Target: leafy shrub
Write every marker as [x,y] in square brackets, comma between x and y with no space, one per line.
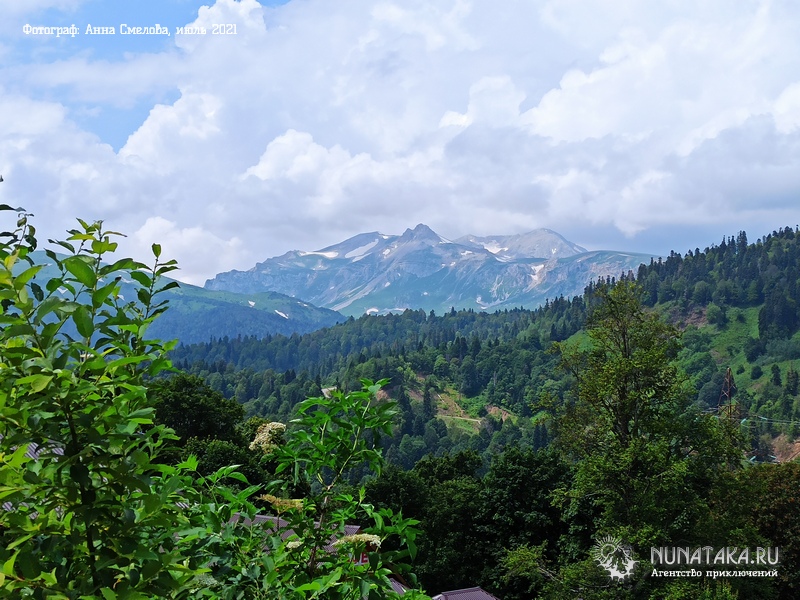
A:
[93,512]
[716,315]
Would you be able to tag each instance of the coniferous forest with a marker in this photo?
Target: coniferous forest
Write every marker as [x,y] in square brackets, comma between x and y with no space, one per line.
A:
[481,446]
[660,409]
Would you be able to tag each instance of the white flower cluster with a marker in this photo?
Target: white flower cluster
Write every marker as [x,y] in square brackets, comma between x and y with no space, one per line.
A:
[282,504]
[268,436]
[359,538]
[204,581]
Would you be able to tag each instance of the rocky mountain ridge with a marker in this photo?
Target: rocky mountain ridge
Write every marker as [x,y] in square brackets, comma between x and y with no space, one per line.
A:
[378,273]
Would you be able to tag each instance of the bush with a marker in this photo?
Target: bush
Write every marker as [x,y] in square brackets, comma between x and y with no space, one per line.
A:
[95,513]
[753,348]
[716,315]
[90,501]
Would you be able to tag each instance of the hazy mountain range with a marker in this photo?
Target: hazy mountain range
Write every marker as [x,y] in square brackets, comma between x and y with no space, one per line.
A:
[375,273]
[197,315]
[378,273]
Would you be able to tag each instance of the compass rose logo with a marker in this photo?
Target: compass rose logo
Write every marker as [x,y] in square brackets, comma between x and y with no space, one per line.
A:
[614,556]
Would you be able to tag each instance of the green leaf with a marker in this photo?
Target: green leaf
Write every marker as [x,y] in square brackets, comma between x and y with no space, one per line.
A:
[99,295]
[238,476]
[128,360]
[152,502]
[39,382]
[46,307]
[108,594]
[169,286]
[19,541]
[53,284]
[103,246]
[82,271]
[8,566]
[142,278]
[83,321]
[26,276]
[18,457]
[156,250]
[189,464]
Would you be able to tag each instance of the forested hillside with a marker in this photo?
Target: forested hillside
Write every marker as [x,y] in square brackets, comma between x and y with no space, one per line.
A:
[197,314]
[516,441]
[497,441]
[735,303]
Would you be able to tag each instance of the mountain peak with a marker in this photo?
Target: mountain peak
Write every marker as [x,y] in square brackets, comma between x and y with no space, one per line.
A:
[420,229]
[539,243]
[422,232]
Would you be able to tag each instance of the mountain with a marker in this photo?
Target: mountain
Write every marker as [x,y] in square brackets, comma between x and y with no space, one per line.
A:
[196,314]
[378,273]
[541,243]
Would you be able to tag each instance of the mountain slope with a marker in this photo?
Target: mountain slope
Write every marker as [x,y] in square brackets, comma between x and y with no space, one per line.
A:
[196,314]
[378,273]
[541,243]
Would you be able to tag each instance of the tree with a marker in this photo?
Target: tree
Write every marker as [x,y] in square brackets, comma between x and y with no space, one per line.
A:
[776,375]
[778,317]
[626,376]
[644,455]
[716,315]
[451,547]
[93,512]
[792,380]
[192,409]
[517,515]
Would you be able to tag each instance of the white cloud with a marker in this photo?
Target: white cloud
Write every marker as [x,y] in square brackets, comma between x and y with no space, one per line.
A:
[786,110]
[195,245]
[321,119]
[294,155]
[171,134]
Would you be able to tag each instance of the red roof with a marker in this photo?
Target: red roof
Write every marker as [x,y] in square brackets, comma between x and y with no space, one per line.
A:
[474,593]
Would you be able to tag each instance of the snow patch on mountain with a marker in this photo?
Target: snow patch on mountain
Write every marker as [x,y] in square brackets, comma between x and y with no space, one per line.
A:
[494,247]
[325,254]
[361,251]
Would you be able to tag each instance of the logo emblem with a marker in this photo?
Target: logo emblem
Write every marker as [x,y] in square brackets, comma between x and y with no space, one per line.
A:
[614,556]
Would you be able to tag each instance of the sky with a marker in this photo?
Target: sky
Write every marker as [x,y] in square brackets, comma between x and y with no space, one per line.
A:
[626,125]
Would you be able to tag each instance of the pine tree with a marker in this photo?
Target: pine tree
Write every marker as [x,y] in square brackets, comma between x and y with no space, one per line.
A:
[792,381]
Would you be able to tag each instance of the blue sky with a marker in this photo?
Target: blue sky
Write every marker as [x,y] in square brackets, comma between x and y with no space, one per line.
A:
[112,122]
[630,125]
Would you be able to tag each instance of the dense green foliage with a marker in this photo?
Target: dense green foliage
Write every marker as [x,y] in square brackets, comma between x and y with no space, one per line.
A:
[511,455]
[91,503]
[308,551]
[92,509]
[658,479]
